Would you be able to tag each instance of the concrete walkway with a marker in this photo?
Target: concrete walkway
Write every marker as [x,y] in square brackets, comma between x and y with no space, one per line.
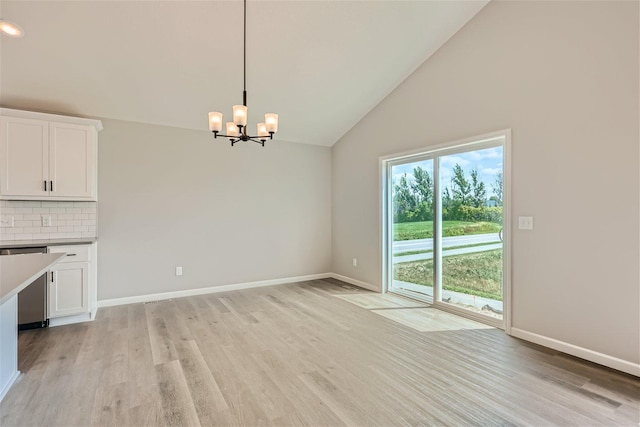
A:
[447,252]
[400,246]
[452,297]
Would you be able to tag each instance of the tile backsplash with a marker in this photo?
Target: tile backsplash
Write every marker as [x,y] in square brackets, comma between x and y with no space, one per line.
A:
[67,220]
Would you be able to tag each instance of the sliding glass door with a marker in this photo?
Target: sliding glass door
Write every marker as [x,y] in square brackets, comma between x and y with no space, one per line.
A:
[412,209]
[444,227]
[472,223]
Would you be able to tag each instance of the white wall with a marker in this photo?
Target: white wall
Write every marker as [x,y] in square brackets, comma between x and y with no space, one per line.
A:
[564,77]
[172,197]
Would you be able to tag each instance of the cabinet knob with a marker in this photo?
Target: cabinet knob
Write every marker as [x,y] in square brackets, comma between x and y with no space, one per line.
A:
[45,185]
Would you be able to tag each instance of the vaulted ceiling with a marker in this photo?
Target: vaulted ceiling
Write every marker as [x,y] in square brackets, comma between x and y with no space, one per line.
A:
[321,65]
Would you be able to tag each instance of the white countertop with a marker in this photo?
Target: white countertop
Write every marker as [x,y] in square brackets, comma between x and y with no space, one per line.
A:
[19,271]
[7,244]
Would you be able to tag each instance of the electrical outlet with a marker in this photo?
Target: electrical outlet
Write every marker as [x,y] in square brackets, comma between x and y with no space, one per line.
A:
[525,223]
[46,220]
[6,221]
[178,271]
[355,262]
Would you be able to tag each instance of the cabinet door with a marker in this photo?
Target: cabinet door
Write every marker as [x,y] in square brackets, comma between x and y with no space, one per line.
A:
[68,289]
[72,160]
[24,157]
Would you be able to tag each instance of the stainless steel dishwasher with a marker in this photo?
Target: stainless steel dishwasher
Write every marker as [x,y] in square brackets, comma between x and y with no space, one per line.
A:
[32,300]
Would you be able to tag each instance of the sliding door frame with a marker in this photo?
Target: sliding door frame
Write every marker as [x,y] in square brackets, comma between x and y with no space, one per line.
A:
[386,214]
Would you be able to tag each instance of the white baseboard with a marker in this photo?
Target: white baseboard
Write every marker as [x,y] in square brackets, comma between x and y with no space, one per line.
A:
[68,320]
[8,385]
[210,290]
[359,283]
[581,352]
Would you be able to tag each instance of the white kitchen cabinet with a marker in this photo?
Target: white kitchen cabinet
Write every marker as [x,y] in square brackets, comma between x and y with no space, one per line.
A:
[72,285]
[68,289]
[24,150]
[72,161]
[47,157]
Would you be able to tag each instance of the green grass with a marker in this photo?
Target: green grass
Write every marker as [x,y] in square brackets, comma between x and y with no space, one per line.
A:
[424,229]
[477,273]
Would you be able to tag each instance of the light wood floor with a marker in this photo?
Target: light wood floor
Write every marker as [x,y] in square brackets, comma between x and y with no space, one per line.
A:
[298,355]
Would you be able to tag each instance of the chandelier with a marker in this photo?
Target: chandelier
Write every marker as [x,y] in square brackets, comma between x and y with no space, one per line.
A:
[237,129]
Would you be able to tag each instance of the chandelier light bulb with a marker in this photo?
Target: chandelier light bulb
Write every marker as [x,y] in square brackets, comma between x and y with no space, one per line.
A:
[240,115]
[232,129]
[215,122]
[271,120]
[11,29]
[262,130]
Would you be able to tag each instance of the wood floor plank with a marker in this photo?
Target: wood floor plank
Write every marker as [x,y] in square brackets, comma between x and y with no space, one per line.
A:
[162,347]
[178,408]
[110,407]
[309,408]
[142,384]
[149,414]
[205,393]
[312,353]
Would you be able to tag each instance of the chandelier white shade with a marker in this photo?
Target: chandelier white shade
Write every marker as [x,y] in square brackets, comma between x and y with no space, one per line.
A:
[237,129]
[215,122]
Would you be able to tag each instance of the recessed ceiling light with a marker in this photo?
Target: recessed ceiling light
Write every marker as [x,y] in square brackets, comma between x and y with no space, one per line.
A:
[11,29]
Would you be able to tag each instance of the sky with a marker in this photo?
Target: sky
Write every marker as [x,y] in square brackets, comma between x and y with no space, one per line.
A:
[487,162]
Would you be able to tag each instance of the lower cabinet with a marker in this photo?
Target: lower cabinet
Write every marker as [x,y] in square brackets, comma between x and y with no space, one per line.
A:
[72,285]
[69,289]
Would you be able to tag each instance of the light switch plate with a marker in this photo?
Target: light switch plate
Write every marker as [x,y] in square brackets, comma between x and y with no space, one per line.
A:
[6,221]
[525,223]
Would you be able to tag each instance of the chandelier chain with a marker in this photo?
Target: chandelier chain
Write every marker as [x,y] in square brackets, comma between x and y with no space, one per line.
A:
[245,53]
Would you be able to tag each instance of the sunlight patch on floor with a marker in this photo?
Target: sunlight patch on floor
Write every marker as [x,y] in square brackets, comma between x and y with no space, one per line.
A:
[372,301]
[430,319]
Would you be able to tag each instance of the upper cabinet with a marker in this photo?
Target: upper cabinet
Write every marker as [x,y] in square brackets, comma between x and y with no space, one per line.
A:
[48,157]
